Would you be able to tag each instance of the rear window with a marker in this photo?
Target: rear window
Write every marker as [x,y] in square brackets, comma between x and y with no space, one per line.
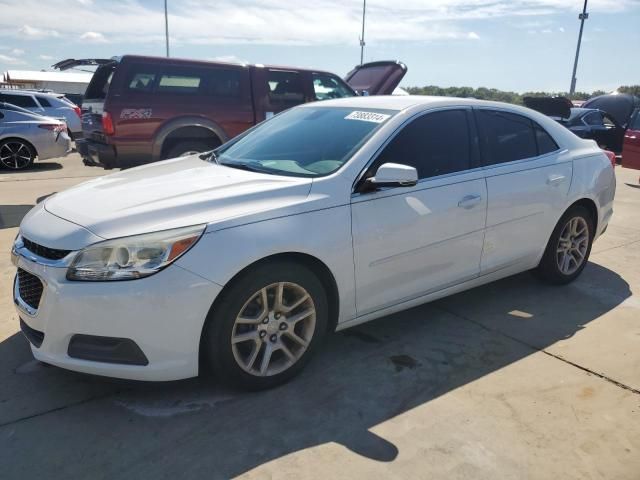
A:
[215,82]
[25,101]
[366,77]
[100,82]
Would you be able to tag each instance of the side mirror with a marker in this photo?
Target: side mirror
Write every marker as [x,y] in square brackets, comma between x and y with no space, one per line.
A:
[394,175]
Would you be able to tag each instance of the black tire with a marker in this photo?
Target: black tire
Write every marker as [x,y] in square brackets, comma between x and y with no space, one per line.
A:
[549,270]
[217,352]
[9,147]
[187,147]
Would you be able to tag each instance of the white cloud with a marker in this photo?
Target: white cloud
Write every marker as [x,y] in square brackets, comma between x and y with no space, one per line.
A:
[561,29]
[45,57]
[93,37]
[227,58]
[17,52]
[11,60]
[33,32]
[473,36]
[277,22]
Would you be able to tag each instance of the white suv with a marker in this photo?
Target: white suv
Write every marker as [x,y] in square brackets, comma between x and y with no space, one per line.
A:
[48,104]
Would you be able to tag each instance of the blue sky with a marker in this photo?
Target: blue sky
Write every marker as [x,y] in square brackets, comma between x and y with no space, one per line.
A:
[516,45]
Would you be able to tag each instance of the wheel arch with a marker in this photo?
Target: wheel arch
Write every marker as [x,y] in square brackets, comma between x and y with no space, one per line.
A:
[316,265]
[24,140]
[186,124]
[591,207]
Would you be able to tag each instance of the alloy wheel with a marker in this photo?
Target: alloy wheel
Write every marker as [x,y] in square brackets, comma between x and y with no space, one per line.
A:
[273,329]
[572,245]
[15,155]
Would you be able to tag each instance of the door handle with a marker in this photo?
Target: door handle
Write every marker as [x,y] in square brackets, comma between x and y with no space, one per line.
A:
[469,201]
[555,179]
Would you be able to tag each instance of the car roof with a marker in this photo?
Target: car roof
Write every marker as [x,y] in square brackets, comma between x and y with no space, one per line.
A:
[30,92]
[403,102]
[189,61]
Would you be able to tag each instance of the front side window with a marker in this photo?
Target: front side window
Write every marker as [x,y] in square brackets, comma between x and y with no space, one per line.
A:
[435,144]
[328,86]
[306,142]
[25,101]
[505,137]
[285,87]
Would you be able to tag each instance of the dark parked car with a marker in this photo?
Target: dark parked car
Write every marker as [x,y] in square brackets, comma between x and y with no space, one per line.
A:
[631,146]
[593,123]
[139,109]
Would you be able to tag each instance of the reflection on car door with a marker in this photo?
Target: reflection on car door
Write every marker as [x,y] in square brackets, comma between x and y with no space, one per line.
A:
[409,241]
[528,179]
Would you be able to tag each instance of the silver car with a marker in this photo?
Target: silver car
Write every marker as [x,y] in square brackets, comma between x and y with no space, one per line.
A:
[25,136]
[49,104]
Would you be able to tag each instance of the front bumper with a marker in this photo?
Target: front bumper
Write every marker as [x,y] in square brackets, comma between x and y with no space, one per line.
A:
[162,314]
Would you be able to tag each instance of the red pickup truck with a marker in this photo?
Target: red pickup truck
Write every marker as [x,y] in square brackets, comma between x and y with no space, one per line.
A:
[140,109]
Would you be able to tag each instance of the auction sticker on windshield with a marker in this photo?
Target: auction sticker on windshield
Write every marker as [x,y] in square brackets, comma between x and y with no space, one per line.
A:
[367,116]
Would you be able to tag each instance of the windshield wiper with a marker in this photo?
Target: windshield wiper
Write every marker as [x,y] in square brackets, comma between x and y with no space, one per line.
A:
[212,155]
[250,167]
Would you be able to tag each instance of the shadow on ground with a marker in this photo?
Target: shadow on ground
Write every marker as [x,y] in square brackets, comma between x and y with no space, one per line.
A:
[35,167]
[12,215]
[82,426]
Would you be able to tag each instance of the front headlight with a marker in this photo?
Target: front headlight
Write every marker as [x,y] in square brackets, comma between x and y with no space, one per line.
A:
[133,257]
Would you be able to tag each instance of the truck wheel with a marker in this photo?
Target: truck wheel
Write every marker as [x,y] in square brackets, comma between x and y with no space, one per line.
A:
[186,148]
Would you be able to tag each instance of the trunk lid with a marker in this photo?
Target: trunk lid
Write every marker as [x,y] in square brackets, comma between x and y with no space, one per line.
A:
[376,78]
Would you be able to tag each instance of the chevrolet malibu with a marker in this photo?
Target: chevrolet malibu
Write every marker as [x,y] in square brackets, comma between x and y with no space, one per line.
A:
[240,260]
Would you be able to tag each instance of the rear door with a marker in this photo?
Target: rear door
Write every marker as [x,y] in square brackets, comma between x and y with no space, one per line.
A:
[376,78]
[410,241]
[528,178]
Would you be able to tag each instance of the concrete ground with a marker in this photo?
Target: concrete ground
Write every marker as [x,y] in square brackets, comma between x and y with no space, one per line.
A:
[513,380]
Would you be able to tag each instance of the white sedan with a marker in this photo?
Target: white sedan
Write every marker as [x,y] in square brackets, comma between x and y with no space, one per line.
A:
[323,217]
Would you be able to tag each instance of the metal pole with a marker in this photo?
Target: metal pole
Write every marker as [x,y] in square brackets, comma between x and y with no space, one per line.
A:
[166,26]
[364,9]
[583,16]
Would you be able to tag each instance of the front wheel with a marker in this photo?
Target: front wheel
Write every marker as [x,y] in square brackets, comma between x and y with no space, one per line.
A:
[569,247]
[266,326]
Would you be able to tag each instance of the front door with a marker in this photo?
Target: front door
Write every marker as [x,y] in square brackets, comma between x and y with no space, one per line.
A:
[410,241]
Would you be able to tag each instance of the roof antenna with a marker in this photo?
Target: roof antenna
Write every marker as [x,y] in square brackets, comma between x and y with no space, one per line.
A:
[364,9]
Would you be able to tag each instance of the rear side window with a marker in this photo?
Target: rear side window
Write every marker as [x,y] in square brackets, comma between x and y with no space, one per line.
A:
[43,101]
[635,121]
[285,87]
[435,144]
[25,101]
[546,144]
[593,118]
[328,86]
[183,80]
[505,137]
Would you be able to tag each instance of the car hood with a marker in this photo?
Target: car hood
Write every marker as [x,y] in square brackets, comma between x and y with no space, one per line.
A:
[172,194]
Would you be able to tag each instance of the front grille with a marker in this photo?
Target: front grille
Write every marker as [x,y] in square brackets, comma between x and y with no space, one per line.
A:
[34,336]
[29,288]
[44,252]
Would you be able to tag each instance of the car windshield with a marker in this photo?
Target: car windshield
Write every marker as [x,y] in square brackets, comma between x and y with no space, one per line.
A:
[304,141]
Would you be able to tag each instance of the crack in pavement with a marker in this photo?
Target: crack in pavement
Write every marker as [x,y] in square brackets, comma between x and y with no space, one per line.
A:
[534,348]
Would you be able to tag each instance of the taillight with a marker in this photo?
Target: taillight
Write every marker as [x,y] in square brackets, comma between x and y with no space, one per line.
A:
[107,124]
[78,111]
[54,127]
[611,156]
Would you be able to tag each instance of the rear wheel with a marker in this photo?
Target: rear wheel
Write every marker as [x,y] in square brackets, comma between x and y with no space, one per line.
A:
[16,154]
[267,326]
[569,247]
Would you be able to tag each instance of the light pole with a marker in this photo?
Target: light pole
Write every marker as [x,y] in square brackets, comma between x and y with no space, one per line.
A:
[583,16]
[364,9]
[166,26]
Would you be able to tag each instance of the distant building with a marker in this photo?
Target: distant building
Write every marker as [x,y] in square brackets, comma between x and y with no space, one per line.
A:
[59,82]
